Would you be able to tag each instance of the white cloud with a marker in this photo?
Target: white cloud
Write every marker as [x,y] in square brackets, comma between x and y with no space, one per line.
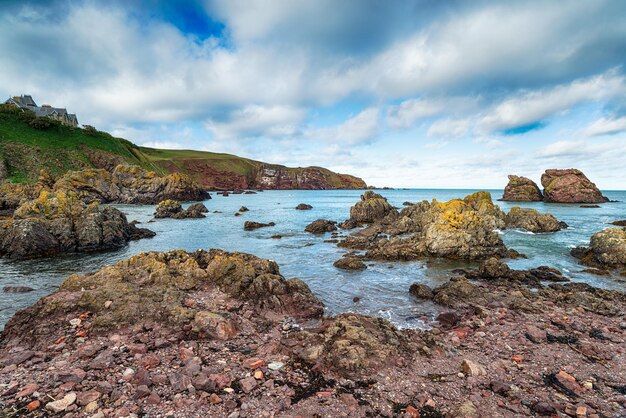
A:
[532,106]
[255,120]
[409,111]
[361,128]
[449,128]
[606,126]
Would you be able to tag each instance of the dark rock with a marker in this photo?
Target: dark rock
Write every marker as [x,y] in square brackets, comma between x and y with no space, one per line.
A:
[521,189]
[243,209]
[618,223]
[570,186]
[173,209]
[421,291]
[350,263]
[17,289]
[493,269]
[321,226]
[249,225]
[607,249]
[448,319]
[590,206]
[304,206]
[198,207]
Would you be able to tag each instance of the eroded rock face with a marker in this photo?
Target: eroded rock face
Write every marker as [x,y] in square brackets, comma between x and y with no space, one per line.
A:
[310,178]
[460,229]
[371,208]
[533,221]
[521,189]
[570,186]
[129,184]
[57,223]
[607,249]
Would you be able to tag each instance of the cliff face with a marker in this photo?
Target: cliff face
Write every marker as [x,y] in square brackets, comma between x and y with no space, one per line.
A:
[312,178]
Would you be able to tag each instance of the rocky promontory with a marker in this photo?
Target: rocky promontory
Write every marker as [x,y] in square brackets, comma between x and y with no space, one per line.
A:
[570,186]
[60,222]
[521,189]
[213,333]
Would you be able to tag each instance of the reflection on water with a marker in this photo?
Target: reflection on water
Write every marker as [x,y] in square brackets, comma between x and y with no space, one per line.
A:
[382,288]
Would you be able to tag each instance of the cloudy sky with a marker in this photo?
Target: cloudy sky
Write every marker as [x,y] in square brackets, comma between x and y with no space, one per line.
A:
[402,93]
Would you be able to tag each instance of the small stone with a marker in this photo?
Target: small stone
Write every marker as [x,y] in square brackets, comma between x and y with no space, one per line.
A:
[588,385]
[544,408]
[448,319]
[61,404]
[153,399]
[27,390]
[275,365]
[108,304]
[91,407]
[215,399]
[465,410]
[569,382]
[229,390]
[471,368]
[248,384]
[517,358]
[33,405]
[142,391]
[254,363]
[258,375]
[581,412]
[535,335]
[75,322]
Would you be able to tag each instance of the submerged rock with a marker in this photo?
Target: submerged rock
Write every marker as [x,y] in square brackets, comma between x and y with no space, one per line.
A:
[371,208]
[57,223]
[249,225]
[304,206]
[521,189]
[533,221]
[321,226]
[570,186]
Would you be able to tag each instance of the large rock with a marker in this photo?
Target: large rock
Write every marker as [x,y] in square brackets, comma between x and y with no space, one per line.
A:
[371,208]
[459,229]
[59,223]
[155,289]
[321,226]
[570,186]
[129,184]
[521,189]
[607,249]
[533,221]
[173,209]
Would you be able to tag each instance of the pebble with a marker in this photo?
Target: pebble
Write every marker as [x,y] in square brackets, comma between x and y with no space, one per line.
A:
[275,365]
[108,304]
[33,405]
[61,404]
[75,322]
[471,368]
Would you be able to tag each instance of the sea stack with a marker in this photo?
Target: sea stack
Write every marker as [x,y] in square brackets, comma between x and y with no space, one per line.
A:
[570,186]
[521,189]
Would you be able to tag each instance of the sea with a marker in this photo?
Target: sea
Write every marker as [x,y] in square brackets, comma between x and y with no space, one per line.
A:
[381,290]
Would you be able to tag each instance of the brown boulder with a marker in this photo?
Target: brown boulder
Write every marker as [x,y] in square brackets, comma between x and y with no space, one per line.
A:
[370,208]
[570,186]
[250,225]
[321,226]
[533,221]
[521,189]
[607,249]
[350,263]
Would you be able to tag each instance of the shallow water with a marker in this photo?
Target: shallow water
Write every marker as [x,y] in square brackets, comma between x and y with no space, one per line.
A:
[382,288]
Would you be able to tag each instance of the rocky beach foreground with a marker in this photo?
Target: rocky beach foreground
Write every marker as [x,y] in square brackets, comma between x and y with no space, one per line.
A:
[213,333]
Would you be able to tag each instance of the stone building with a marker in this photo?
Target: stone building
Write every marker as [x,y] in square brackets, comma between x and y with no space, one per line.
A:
[45,111]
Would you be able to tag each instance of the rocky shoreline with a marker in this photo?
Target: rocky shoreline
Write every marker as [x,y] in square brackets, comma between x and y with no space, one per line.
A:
[215,333]
[212,333]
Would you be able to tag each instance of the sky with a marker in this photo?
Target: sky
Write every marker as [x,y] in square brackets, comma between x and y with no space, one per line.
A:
[413,93]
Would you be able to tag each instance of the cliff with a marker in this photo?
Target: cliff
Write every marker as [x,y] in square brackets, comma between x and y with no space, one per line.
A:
[25,150]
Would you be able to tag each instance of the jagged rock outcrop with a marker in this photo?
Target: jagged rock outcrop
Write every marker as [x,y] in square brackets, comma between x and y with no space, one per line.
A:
[607,249]
[321,226]
[173,209]
[372,207]
[460,229]
[521,189]
[57,223]
[570,186]
[304,206]
[350,263]
[533,221]
[129,184]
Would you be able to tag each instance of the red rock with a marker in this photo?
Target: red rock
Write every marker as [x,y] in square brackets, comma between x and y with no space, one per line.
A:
[324,394]
[517,358]
[150,361]
[535,335]
[137,348]
[220,380]
[471,368]
[142,391]
[153,399]
[248,384]
[414,413]
[81,334]
[254,363]
[215,399]
[461,332]
[569,382]
[448,319]
[84,398]
[27,390]
[33,405]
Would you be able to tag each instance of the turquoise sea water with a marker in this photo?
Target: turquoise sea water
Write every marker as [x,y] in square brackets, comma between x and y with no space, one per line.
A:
[382,288]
